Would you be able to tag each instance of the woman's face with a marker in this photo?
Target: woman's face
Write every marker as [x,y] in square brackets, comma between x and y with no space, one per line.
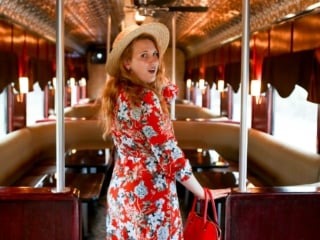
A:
[145,60]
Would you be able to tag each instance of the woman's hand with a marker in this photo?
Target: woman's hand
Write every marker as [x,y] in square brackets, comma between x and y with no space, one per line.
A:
[220,193]
[194,186]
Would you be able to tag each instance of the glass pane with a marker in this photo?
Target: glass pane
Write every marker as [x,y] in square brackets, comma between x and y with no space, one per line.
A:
[295,120]
[35,105]
[215,100]
[3,113]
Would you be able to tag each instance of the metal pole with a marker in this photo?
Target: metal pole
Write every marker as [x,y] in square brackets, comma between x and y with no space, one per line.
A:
[108,45]
[244,94]
[173,71]
[59,96]
[108,48]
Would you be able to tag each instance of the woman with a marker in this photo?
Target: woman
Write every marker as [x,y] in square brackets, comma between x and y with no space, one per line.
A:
[142,201]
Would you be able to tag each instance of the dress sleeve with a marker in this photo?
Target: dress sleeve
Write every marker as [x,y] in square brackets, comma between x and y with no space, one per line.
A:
[170,92]
[159,133]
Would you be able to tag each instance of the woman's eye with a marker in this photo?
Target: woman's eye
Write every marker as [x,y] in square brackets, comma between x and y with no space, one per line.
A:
[156,54]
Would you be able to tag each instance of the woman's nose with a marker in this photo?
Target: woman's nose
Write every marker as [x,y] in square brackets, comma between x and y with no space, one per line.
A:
[153,59]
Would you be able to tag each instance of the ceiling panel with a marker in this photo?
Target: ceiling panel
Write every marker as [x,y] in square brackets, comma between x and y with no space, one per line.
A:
[196,33]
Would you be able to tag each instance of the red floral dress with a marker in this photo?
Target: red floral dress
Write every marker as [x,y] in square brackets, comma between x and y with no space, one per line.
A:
[142,201]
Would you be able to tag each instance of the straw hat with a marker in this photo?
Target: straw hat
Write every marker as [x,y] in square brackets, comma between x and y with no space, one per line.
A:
[158,30]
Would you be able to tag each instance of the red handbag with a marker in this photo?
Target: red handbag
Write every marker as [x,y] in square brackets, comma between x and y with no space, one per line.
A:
[198,225]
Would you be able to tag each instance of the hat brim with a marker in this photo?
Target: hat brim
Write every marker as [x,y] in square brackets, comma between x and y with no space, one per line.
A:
[158,30]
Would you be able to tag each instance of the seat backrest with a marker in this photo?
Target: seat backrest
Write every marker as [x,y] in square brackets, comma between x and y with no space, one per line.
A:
[276,216]
[184,111]
[275,162]
[16,155]
[39,213]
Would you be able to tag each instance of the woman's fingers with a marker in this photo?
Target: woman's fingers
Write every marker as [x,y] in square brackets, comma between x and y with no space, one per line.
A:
[220,193]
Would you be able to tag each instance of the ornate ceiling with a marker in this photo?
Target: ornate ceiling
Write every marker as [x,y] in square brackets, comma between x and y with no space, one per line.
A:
[86,21]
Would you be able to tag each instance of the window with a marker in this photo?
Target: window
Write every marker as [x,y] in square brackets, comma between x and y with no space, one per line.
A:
[236,108]
[295,120]
[215,100]
[35,105]
[3,113]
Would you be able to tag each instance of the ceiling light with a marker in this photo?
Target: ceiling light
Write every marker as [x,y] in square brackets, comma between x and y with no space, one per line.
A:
[313,6]
[139,18]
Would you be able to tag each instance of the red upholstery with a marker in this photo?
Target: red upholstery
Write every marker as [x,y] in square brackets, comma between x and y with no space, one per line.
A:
[276,216]
[38,213]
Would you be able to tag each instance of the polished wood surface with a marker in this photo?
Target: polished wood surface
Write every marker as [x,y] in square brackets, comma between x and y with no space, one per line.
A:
[89,185]
[204,159]
[87,158]
[218,179]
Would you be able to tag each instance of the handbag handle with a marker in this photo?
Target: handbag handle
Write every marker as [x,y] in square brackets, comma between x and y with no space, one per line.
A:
[206,199]
[195,199]
[208,196]
[214,210]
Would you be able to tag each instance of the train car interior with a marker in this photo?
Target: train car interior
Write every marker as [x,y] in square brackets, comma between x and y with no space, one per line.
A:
[247,114]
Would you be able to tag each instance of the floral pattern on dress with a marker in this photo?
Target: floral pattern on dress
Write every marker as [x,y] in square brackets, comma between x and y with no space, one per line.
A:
[142,200]
[170,92]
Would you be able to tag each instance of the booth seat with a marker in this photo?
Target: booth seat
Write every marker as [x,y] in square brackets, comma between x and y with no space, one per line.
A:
[191,111]
[273,162]
[27,166]
[86,111]
[182,111]
[22,149]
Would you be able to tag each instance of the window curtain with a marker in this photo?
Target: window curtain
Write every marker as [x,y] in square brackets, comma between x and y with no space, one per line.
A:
[299,68]
[9,69]
[40,71]
[232,75]
[211,75]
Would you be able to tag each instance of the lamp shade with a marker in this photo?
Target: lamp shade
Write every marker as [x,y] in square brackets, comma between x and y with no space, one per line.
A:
[139,18]
[24,84]
[189,83]
[255,87]
[220,85]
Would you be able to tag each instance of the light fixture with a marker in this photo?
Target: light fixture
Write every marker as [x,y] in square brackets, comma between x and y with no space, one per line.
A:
[83,88]
[313,6]
[24,84]
[255,88]
[139,18]
[73,88]
[54,82]
[72,82]
[189,83]
[82,82]
[202,85]
[220,85]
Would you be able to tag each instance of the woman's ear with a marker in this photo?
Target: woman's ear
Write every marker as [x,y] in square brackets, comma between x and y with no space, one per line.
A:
[127,65]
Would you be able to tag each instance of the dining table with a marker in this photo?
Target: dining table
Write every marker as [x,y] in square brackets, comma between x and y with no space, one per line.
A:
[204,159]
[88,160]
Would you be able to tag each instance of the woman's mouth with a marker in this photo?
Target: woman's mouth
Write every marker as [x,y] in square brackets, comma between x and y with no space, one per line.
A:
[152,70]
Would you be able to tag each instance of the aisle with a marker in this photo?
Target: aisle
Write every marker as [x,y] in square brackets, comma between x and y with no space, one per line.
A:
[97,226]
